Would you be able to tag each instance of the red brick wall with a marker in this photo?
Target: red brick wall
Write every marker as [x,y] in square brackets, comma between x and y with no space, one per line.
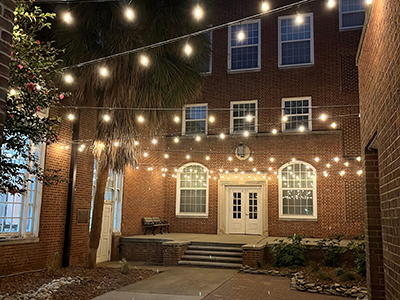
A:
[379,76]
[21,257]
[6,27]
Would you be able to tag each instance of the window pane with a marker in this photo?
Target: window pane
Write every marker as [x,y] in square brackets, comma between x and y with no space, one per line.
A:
[244,58]
[193,189]
[244,53]
[353,19]
[296,53]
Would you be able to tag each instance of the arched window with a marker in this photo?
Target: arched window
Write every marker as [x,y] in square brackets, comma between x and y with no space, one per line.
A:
[192,191]
[297,191]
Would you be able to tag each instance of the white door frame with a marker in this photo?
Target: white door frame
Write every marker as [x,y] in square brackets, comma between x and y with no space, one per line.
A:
[100,259]
[255,180]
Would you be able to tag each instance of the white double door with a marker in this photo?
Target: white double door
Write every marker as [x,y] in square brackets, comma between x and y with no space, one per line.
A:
[244,210]
[104,250]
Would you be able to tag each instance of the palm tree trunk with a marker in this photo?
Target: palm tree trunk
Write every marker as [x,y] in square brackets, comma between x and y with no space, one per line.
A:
[97,217]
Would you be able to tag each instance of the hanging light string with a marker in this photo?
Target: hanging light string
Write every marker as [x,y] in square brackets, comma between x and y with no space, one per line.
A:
[186,36]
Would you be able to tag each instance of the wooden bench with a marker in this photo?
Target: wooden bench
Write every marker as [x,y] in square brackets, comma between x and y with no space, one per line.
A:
[153,223]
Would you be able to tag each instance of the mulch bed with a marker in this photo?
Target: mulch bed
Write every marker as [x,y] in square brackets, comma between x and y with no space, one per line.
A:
[313,276]
[95,282]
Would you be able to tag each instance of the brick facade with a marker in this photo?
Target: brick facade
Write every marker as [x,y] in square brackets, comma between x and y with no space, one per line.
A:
[6,27]
[379,80]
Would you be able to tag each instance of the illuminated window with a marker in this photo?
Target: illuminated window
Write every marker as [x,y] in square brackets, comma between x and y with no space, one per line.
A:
[298,113]
[243,116]
[194,119]
[351,14]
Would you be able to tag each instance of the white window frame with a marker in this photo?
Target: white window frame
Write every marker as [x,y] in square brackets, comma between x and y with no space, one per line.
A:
[290,115]
[311,39]
[178,194]
[210,56]
[184,119]
[244,46]
[341,28]
[117,203]
[314,189]
[232,131]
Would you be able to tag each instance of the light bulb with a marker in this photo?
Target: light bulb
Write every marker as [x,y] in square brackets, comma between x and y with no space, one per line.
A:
[323,117]
[66,147]
[80,149]
[207,158]
[333,125]
[67,18]
[230,158]
[222,136]
[264,6]
[68,78]
[299,19]
[176,119]
[187,156]
[359,158]
[254,169]
[198,12]
[176,140]
[346,164]
[293,159]
[271,159]
[144,60]
[332,3]
[166,155]
[141,119]
[269,169]
[103,72]
[38,87]
[301,128]
[274,131]
[198,138]
[188,50]
[145,154]
[83,146]
[368,2]
[129,14]
[116,144]
[325,174]
[163,175]
[316,159]
[341,173]
[13,92]
[106,118]
[71,117]
[249,118]
[359,172]
[246,133]
[211,119]
[284,119]
[250,159]
[336,159]
[154,141]
[328,165]
[241,35]
[136,143]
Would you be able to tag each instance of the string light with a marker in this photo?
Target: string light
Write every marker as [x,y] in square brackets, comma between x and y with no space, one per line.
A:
[144,60]
[359,158]
[301,128]
[271,159]
[38,87]
[368,2]
[316,159]
[198,138]
[140,119]
[207,158]
[336,159]
[116,144]
[220,170]
[211,119]
[145,154]
[254,169]
[328,165]
[163,175]
[80,149]
[13,92]
[71,117]
[106,118]
[198,12]
[188,50]
[293,159]
[249,118]
[236,170]
[269,169]
[359,172]
[333,125]
[325,174]
[250,159]
[284,119]
[104,72]
[67,17]
[346,164]
[187,156]
[129,14]
[332,3]
[241,35]
[246,133]
[222,136]
[68,78]
[323,117]
[154,141]
[166,155]
[264,6]
[176,119]
[274,131]
[136,143]
[299,19]
[230,158]
[176,140]
[341,173]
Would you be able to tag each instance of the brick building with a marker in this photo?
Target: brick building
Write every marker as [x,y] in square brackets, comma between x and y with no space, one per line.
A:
[379,76]
[271,147]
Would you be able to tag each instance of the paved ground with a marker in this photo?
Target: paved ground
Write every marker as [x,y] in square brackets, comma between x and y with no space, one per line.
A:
[255,287]
[180,283]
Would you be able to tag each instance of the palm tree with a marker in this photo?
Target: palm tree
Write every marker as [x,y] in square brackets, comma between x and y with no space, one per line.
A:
[100,29]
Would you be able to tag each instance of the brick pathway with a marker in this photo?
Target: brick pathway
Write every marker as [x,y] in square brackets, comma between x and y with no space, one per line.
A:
[255,287]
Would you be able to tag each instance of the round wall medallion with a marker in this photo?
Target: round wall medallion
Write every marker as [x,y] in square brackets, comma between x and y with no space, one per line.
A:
[242,152]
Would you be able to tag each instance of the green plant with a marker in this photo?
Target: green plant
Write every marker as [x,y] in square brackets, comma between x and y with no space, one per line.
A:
[347,276]
[357,246]
[290,253]
[339,271]
[331,249]
[314,266]
[323,275]
[50,266]
[124,266]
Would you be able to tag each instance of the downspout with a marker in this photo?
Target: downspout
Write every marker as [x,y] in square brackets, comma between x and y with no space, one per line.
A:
[71,191]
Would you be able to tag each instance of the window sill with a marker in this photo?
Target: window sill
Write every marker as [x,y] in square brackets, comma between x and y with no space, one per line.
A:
[298,219]
[244,71]
[192,216]
[16,241]
[284,67]
[344,29]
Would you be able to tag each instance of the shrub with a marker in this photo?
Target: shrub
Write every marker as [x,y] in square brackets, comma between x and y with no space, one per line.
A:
[124,266]
[347,276]
[357,246]
[339,271]
[50,266]
[314,266]
[331,249]
[290,253]
[322,275]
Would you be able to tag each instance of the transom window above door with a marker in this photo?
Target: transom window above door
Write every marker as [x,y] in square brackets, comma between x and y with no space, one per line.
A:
[244,51]
[351,14]
[297,191]
[243,116]
[296,40]
[194,119]
[296,112]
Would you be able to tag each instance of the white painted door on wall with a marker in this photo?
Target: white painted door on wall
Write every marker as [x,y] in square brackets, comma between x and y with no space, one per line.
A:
[104,250]
[244,210]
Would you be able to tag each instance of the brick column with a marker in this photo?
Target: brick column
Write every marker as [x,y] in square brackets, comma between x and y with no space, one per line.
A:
[6,26]
[373,227]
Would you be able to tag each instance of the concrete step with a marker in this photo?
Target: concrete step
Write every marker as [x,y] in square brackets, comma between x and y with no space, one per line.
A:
[237,260]
[206,264]
[215,244]
[215,248]
[213,253]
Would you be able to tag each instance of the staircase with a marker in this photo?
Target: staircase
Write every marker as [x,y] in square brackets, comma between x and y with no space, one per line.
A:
[213,255]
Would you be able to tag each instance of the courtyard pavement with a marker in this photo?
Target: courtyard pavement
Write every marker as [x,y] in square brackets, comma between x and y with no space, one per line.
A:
[182,283]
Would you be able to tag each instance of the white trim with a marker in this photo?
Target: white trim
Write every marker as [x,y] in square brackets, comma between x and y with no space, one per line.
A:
[298,217]
[311,39]
[244,46]
[342,28]
[231,131]
[309,113]
[178,193]
[184,118]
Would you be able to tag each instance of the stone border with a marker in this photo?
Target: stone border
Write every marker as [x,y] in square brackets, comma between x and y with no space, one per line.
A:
[298,283]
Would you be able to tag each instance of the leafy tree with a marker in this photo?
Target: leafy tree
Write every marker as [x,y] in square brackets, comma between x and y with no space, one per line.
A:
[170,79]
[32,90]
